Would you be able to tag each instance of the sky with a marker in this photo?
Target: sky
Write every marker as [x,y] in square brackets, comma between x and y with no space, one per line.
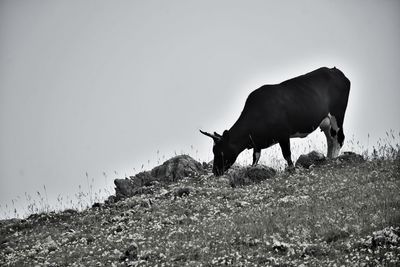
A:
[110,88]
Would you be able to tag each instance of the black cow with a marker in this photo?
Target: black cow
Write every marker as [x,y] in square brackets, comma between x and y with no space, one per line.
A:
[294,108]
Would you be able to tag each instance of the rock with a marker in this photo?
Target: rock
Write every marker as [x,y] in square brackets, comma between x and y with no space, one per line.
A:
[314,251]
[142,179]
[242,204]
[131,253]
[70,211]
[177,168]
[133,185]
[11,225]
[89,239]
[182,191]
[96,205]
[387,236]
[7,222]
[278,246]
[249,175]
[335,235]
[350,157]
[180,257]
[4,242]
[124,188]
[8,250]
[223,181]
[259,172]
[171,170]
[14,225]
[312,158]
[143,190]
[110,200]
[293,199]
[50,244]
[164,193]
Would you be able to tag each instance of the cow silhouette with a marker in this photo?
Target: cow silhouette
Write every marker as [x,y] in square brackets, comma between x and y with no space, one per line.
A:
[275,113]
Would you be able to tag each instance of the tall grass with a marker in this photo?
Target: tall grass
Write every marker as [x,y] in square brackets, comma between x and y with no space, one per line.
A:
[387,147]
[39,202]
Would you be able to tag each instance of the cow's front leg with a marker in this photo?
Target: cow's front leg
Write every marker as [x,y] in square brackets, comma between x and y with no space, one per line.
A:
[256,155]
[285,147]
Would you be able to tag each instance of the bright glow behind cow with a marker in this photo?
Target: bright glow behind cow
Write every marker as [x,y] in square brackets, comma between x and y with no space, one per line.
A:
[275,113]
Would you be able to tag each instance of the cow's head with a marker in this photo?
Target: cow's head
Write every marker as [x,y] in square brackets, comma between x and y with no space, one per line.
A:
[224,153]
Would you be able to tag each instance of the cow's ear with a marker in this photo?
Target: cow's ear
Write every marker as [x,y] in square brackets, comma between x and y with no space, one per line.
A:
[225,135]
[217,134]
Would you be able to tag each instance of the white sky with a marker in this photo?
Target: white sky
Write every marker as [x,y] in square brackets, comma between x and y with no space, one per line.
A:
[100,86]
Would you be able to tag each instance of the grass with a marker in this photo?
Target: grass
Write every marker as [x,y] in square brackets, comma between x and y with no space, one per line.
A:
[324,216]
[39,202]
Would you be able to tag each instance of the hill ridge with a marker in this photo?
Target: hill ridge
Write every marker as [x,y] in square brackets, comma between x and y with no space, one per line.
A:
[342,212]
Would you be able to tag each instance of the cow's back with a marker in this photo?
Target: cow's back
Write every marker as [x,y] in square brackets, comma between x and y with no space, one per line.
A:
[296,105]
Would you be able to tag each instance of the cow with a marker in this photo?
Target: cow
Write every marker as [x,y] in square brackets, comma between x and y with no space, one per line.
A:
[275,113]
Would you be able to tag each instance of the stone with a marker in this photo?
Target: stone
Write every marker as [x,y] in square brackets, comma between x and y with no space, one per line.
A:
[387,236]
[313,158]
[182,191]
[280,247]
[350,157]
[110,200]
[142,179]
[259,173]
[96,205]
[11,225]
[131,253]
[124,188]
[171,170]
[177,168]
[314,251]
[242,204]
[249,175]
[50,244]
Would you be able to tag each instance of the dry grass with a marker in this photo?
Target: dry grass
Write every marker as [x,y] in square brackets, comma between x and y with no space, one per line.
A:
[314,217]
[324,216]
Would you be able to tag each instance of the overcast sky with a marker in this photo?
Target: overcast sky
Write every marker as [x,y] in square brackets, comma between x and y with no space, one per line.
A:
[101,86]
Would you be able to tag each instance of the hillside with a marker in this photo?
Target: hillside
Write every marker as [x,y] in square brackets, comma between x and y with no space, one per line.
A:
[339,213]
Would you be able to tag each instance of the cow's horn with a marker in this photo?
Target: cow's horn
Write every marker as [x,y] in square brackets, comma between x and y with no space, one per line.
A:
[213,136]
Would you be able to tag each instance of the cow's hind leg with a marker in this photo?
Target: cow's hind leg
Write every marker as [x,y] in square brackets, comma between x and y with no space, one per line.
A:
[285,147]
[256,155]
[337,111]
[338,115]
[337,119]
[334,135]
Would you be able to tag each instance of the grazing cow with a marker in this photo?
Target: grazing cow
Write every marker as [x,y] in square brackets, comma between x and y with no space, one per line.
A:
[275,113]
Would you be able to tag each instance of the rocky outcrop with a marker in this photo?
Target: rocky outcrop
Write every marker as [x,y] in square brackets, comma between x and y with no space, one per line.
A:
[389,236]
[313,158]
[177,168]
[171,170]
[129,187]
[249,175]
[350,157]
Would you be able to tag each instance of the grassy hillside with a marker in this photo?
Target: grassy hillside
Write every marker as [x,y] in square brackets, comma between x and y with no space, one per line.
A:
[336,214]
